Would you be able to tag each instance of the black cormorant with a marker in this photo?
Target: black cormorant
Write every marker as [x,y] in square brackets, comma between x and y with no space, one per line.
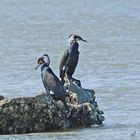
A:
[51,82]
[70,57]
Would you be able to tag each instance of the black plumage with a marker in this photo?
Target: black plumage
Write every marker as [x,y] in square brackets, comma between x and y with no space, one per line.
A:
[70,57]
[51,82]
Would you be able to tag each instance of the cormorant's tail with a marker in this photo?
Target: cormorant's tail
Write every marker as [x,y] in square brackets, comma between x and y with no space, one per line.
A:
[66,106]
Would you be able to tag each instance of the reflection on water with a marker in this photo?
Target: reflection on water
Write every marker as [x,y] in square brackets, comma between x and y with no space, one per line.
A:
[109,61]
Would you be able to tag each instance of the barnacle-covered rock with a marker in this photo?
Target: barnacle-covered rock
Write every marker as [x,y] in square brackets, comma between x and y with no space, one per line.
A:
[42,114]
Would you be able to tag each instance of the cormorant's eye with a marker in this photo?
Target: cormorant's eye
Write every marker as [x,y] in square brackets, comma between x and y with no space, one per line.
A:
[77,39]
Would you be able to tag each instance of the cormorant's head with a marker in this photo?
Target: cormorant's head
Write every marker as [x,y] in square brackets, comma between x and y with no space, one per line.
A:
[43,59]
[75,38]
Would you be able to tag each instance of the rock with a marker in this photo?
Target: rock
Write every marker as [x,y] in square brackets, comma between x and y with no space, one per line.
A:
[1,97]
[42,114]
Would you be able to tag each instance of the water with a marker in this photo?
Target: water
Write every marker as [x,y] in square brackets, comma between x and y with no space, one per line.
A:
[109,61]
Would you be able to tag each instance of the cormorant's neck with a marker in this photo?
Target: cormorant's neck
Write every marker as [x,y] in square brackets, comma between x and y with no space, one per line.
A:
[72,42]
[73,47]
[45,65]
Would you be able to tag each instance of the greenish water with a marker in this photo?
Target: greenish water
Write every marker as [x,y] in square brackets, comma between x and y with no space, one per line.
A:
[109,62]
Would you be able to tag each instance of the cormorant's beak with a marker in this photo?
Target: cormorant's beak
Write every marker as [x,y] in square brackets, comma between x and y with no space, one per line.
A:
[37,66]
[83,40]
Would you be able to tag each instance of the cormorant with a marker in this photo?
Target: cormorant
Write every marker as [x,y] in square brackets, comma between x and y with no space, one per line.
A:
[51,82]
[70,58]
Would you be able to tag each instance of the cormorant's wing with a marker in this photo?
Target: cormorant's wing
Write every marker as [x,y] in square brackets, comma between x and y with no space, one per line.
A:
[52,83]
[62,64]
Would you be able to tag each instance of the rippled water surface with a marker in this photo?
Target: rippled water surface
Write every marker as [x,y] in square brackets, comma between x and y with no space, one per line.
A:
[109,62]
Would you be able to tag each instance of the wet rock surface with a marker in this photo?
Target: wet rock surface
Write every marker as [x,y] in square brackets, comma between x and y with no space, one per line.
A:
[42,114]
